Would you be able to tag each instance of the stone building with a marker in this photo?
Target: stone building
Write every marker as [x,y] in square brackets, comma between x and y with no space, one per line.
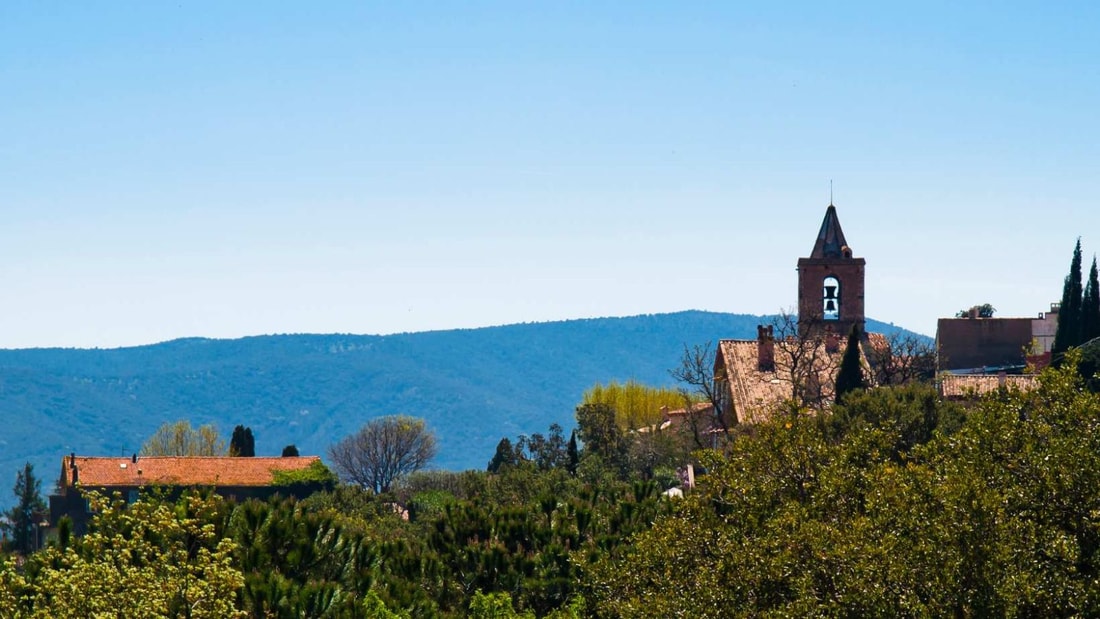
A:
[754,377]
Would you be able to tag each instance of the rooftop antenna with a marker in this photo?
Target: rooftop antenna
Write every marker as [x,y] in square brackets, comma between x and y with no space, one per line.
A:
[830,192]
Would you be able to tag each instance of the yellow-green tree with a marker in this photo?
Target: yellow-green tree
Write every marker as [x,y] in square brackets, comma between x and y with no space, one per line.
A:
[636,405]
[149,559]
[180,439]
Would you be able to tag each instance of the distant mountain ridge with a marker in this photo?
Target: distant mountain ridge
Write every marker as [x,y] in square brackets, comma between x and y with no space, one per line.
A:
[473,386]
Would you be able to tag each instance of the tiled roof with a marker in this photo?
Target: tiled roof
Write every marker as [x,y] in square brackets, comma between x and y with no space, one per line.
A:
[698,407]
[970,385]
[755,393]
[177,471]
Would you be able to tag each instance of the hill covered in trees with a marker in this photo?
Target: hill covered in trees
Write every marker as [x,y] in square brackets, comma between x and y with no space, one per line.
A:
[472,386]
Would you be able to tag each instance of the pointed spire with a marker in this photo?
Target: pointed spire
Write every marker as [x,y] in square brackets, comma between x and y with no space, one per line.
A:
[830,240]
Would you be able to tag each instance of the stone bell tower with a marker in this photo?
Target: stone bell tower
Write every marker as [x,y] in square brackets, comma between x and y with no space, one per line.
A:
[830,283]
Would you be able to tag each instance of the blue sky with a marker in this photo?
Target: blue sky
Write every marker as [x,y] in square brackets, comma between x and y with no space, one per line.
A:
[229,169]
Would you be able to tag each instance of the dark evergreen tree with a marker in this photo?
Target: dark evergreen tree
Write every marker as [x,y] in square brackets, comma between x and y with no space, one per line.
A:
[1090,306]
[290,451]
[850,376]
[1068,333]
[26,518]
[504,456]
[242,443]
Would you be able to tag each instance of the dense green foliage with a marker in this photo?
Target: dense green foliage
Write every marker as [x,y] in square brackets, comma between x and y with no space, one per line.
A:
[471,386]
[315,473]
[899,505]
[895,503]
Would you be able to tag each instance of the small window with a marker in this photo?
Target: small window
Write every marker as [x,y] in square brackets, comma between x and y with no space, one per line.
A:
[132,496]
[831,300]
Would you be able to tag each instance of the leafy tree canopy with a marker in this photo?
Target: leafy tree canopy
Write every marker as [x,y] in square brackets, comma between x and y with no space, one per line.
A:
[985,310]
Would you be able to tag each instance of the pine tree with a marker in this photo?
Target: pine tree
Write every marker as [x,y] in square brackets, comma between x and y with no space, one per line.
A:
[505,456]
[1090,306]
[24,520]
[850,376]
[1068,333]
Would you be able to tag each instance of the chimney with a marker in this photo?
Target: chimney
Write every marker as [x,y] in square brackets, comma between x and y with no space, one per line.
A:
[133,459]
[76,475]
[72,460]
[1002,378]
[664,413]
[765,348]
[973,312]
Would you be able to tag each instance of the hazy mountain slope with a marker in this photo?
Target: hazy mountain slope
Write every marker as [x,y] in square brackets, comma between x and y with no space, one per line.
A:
[472,386]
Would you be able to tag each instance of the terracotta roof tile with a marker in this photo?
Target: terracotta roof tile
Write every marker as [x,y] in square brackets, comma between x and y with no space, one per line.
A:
[178,471]
[755,394]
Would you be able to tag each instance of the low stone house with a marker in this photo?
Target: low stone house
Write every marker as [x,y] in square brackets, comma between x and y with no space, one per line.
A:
[231,477]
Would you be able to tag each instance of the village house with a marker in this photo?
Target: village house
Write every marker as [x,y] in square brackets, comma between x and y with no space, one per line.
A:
[232,477]
[978,354]
[973,344]
[974,355]
[754,377]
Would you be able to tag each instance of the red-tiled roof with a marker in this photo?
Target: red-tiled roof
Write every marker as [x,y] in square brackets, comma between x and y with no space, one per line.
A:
[177,471]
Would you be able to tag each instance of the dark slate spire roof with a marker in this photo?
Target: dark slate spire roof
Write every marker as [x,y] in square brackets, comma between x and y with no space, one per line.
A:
[830,240]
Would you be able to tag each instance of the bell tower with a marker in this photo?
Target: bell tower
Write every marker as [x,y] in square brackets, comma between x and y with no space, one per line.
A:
[830,283]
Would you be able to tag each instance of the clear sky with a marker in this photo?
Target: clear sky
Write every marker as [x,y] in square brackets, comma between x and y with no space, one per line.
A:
[223,169]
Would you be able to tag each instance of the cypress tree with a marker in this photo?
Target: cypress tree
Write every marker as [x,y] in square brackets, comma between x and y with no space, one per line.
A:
[1068,333]
[242,443]
[1090,307]
[572,453]
[850,376]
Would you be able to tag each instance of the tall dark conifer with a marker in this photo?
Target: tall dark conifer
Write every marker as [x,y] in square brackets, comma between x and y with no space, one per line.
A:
[1090,306]
[850,376]
[1068,333]
[242,443]
[572,453]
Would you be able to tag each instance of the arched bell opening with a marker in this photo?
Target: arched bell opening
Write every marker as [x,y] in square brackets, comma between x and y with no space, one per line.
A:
[831,298]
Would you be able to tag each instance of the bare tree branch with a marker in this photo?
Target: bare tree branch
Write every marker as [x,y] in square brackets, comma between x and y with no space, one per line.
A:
[383,450]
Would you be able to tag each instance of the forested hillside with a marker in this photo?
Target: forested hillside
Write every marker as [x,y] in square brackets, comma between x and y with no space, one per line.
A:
[472,386]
